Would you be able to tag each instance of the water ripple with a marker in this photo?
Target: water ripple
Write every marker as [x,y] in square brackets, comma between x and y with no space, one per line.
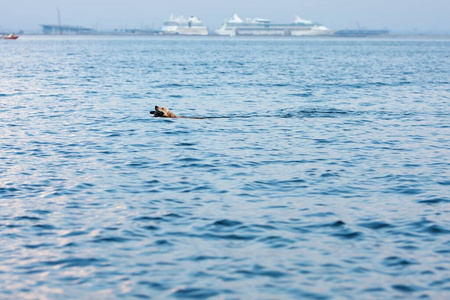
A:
[320,170]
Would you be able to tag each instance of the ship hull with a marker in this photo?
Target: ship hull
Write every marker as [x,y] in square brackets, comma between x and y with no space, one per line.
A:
[184,30]
[238,31]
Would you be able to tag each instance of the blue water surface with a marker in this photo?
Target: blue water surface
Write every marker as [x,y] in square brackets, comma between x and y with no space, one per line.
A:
[321,169]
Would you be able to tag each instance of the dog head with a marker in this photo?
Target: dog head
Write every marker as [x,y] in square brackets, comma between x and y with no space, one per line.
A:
[163,112]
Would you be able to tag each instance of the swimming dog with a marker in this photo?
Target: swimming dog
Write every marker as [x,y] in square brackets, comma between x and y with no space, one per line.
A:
[164,112]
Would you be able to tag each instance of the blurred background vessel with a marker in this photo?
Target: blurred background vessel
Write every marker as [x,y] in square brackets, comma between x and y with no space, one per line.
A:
[179,25]
[264,27]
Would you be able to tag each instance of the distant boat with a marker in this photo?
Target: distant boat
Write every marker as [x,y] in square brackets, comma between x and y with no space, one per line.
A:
[264,27]
[178,25]
[66,29]
[11,36]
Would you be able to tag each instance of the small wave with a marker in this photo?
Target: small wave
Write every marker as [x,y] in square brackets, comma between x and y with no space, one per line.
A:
[272,274]
[435,200]
[75,262]
[153,285]
[406,190]
[235,237]
[397,262]
[420,227]
[162,217]
[258,270]
[75,233]
[444,182]
[406,288]
[162,242]
[318,113]
[334,224]
[140,165]
[377,225]
[302,95]
[276,241]
[151,227]
[194,293]
[26,218]
[9,192]
[172,85]
[436,230]
[226,223]
[203,258]
[282,185]
[40,211]
[111,239]
[321,215]
[40,245]
[348,235]
[44,227]
[10,95]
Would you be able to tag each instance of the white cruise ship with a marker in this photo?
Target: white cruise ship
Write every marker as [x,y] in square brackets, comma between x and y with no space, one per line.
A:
[263,27]
[178,25]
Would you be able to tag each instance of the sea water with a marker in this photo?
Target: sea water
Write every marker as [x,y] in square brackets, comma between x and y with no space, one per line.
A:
[321,169]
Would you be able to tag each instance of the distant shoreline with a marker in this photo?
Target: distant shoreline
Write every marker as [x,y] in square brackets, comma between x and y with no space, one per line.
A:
[392,36]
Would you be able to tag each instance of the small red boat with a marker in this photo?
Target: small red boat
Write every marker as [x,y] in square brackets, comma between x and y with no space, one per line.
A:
[11,36]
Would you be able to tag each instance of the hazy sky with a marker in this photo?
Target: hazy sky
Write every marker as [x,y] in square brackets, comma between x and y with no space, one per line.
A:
[419,16]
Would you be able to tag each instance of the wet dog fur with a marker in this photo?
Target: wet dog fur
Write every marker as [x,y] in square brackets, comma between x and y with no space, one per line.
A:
[164,112]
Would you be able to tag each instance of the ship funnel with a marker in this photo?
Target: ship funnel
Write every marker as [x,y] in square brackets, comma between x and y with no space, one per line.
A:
[235,19]
[299,20]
